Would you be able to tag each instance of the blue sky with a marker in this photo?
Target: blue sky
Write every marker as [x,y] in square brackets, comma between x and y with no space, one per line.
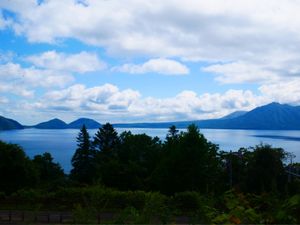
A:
[146,60]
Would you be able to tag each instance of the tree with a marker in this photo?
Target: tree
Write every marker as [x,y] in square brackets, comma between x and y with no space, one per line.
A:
[50,174]
[83,161]
[16,169]
[173,134]
[106,139]
[189,164]
[265,170]
[139,155]
[105,143]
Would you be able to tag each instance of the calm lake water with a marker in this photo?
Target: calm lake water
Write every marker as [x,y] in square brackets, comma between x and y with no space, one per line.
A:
[62,143]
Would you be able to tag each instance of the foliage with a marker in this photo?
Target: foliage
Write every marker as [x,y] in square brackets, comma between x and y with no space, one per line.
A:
[265,170]
[190,163]
[16,169]
[50,173]
[83,161]
[83,215]
[290,211]
[144,180]
[237,210]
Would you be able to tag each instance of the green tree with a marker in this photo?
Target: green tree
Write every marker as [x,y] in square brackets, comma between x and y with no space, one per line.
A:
[50,174]
[265,170]
[172,135]
[189,164]
[139,155]
[83,161]
[16,169]
[106,139]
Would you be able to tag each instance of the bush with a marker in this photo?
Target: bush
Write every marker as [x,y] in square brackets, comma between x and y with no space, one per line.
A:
[187,202]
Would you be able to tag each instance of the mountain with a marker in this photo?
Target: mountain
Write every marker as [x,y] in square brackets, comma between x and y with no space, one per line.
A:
[234,115]
[52,124]
[89,123]
[273,116]
[9,124]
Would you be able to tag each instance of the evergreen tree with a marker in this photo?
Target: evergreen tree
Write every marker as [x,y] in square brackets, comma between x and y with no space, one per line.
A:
[83,161]
[106,140]
[173,135]
[189,163]
[50,174]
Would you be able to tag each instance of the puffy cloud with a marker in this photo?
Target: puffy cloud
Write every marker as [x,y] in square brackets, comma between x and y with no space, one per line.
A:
[257,37]
[241,72]
[3,100]
[108,101]
[81,62]
[283,92]
[18,80]
[160,65]
[208,29]
[16,89]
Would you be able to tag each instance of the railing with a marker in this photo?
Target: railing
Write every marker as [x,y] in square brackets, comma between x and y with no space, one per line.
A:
[25,217]
[292,173]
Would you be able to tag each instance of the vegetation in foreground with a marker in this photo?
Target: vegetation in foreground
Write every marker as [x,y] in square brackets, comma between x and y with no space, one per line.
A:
[144,180]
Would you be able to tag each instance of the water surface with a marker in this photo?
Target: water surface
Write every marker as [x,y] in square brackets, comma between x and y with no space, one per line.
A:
[62,143]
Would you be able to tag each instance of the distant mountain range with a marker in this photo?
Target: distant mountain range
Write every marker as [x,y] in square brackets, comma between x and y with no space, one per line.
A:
[273,116]
[77,124]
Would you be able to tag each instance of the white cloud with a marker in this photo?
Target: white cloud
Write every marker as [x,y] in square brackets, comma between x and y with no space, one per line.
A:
[283,92]
[3,100]
[81,62]
[101,99]
[18,80]
[160,65]
[109,102]
[241,72]
[16,89]
[247,33]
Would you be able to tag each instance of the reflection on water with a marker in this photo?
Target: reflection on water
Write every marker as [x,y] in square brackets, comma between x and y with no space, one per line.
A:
[62,143]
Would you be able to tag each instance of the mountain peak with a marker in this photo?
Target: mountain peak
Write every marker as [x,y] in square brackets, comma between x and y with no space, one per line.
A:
[89,123]
[52,124]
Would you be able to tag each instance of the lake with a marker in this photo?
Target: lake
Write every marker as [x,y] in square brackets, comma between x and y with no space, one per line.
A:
[62,143]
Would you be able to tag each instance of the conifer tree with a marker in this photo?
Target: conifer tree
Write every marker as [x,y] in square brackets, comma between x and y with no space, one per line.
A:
[83,159]
[106,139]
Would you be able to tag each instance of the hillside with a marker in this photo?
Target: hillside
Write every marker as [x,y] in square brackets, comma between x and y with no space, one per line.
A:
[9,124]
[234,115]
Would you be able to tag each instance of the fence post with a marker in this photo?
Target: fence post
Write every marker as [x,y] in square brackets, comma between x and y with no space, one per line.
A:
[98,218]
[9,216]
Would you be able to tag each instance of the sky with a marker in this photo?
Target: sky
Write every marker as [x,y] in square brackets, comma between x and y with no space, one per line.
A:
[146,61]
